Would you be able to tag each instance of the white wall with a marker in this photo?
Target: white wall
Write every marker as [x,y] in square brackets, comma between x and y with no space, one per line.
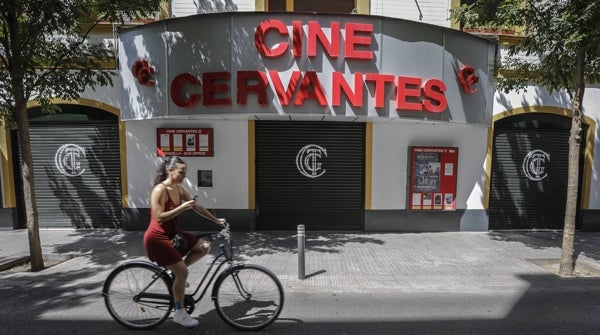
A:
[229,164]
[110,95]
[391,142]
[427,11]
[181,8]
[536,96]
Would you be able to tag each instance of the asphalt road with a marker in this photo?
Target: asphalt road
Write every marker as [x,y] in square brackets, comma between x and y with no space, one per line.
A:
[44,309]
[443,283]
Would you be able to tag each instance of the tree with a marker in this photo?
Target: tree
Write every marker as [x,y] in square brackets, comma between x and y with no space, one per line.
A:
[564,35]
[46,54]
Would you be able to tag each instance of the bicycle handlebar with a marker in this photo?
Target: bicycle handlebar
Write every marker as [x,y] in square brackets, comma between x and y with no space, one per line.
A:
[223,234]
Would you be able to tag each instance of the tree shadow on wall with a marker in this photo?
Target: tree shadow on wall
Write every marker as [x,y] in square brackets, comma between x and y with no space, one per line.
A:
[93,199]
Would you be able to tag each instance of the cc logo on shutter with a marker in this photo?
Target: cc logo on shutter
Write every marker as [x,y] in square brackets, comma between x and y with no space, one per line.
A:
[533,165]
[307,161]
[67,160]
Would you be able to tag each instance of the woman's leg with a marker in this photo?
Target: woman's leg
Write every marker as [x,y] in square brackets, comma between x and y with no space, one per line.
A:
[198,251]
[180,272]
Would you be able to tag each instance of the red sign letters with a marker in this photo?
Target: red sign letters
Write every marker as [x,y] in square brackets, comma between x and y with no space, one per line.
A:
[353,43]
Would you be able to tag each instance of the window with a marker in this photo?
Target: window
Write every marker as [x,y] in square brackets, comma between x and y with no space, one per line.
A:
[277,5]
[318,6]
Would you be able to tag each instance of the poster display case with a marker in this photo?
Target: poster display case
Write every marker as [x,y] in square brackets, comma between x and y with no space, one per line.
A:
[433,173]
[189,142]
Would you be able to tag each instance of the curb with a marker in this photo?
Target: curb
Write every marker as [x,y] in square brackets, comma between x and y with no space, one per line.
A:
[49,261]
[14,262]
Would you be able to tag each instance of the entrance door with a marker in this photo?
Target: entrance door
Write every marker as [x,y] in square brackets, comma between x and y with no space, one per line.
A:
[529,172]
[310,173]
[77,168]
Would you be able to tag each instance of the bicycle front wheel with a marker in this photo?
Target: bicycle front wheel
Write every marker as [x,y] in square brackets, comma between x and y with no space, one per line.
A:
[248,297]
[138,295]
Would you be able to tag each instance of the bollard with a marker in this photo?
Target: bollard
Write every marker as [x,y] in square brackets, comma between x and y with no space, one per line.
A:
[301,238]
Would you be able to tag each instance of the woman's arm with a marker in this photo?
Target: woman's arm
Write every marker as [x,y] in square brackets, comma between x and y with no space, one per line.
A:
[200,209]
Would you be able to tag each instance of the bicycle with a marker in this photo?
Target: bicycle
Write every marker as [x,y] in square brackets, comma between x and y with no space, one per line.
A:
[138,294]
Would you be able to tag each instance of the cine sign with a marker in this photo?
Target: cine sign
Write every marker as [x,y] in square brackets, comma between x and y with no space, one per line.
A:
[412,93]
[189,142]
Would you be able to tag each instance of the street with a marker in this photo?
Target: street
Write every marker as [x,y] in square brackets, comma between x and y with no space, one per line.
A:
[48,308]
[438,283]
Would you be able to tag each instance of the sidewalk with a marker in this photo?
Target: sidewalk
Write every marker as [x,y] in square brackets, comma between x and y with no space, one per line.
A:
[453,261]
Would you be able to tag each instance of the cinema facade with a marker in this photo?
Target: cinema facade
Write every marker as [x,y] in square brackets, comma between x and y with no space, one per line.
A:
[335,122]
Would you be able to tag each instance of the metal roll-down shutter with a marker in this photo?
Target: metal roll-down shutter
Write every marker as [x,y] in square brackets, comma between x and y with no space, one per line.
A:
[77,174]
[310,173]
[529,178]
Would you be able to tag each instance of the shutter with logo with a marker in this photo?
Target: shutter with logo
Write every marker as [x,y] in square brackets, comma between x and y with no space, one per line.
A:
[310,173]
[529,192]
[77,174]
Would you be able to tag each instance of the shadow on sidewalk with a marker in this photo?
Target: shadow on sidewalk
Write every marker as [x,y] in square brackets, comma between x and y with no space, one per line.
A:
[586,243]
[257,244]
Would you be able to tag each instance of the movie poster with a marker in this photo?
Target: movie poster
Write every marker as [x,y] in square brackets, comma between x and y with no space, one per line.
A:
[433,178]
[427,172]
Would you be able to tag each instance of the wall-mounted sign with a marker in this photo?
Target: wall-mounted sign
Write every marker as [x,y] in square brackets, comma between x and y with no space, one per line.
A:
[413,93]
[184,142]
[433,178]
[304,65]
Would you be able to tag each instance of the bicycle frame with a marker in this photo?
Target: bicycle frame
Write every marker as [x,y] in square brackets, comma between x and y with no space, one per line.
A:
[226,255]
[228,259]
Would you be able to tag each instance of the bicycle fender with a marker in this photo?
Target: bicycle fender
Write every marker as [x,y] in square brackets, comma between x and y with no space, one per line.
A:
[140,263]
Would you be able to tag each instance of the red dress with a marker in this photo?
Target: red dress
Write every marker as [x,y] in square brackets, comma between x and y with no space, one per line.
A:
[157,239]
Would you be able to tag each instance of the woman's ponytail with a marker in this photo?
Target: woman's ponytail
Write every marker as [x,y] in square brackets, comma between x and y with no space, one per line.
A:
[169,163]
[161,173]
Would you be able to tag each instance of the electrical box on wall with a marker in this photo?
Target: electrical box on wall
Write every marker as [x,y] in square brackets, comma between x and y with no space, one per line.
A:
[205,178]
[433,178]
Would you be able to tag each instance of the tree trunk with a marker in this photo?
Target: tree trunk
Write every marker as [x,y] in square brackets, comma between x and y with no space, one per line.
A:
[17,71]
[33,231]
[567,261]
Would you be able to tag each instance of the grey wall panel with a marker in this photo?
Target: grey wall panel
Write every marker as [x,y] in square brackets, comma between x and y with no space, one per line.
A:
[412,221]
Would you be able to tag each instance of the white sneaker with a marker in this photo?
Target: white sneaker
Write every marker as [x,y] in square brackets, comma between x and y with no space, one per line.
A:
[183,318]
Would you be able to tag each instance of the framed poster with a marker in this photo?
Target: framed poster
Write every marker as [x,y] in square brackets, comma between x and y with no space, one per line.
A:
[433,178]
[188,142]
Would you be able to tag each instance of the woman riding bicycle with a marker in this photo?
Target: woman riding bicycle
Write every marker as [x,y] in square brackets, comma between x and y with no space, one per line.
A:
[168,200]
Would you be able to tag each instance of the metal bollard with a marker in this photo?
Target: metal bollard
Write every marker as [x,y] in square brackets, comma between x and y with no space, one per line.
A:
[301,239]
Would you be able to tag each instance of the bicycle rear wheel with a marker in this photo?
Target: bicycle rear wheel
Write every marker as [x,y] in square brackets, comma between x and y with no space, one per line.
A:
[248,297]
[138,295]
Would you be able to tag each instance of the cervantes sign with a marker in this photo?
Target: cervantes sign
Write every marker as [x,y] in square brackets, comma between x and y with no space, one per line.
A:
[327,65]
[412,93]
